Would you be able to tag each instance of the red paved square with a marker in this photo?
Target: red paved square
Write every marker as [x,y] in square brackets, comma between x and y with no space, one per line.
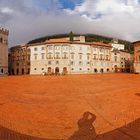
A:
[75,107]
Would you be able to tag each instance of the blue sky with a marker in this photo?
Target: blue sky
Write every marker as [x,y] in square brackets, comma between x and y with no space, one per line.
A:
[29,19]
[70,4]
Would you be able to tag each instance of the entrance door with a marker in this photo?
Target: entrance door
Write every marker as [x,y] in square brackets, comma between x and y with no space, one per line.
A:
[49,70]
[65,71]
[56,70]
[22,71]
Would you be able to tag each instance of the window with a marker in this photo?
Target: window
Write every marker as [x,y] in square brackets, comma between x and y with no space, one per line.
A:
[101,50]
[57,55]
[72,63]
[35,68]
[57,47]
[95,70]
[65,48]
[88,63]
[95,56]
[101,57]
[28,57]
[102,63]
[1,70]
[88,57]
[72,56]
[35,49]
[95,49]
[35,56]
[115,58]
[72,68]
[65,56]
[107,51]
[42,68]
[80,68]
[80,56]
[49,62]
[42,48]
[80,48]
[107,57]
[88,48]
[50,47]
[88,69]
[49,56]
[43,55]
[57,62]
[1,40]
[80,62]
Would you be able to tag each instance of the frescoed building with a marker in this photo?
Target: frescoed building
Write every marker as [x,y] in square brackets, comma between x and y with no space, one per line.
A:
[3,51]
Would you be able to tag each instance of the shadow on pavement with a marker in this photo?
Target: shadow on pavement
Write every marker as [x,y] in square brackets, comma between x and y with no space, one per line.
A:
[86,131]
[138,94]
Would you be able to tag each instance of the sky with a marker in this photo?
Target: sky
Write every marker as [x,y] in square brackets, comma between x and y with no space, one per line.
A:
[30,19]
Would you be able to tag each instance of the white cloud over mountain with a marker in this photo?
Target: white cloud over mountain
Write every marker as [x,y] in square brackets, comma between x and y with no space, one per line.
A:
[28,19]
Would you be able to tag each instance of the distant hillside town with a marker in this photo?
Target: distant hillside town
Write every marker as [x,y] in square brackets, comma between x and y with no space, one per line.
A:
[68,54]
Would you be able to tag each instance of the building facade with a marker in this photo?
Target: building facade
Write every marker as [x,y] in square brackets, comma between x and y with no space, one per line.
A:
[19,60]
[62,56]
[3,51]
[137,56]
[121,61]
[70,58]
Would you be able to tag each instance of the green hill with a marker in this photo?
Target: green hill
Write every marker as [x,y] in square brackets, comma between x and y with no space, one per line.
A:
[89,38]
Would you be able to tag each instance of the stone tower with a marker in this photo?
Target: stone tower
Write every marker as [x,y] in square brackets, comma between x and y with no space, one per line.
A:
[3,51]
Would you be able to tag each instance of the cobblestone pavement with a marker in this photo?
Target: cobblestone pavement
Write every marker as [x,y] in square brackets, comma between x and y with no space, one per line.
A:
[75,107]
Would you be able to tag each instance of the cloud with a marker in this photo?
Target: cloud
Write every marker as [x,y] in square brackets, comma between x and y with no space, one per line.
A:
[6,10]
[29,19]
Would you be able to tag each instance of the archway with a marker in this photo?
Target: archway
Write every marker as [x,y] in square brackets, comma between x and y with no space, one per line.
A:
[65,70]
[116,68]
[13,72]
[22,71]
[101,70]
[56,70]
[28,72]
[49,70]
[95,70]
[17,71]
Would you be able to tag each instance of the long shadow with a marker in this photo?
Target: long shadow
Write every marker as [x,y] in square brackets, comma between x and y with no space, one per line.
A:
[86,130]
[7,134]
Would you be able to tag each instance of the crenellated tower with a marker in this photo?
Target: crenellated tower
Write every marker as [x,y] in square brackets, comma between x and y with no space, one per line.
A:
[4,33]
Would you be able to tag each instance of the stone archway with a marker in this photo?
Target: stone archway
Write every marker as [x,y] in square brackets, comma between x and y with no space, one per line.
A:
[49,70]
[65,71]
[22,71]
[116,68]
[57,70]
